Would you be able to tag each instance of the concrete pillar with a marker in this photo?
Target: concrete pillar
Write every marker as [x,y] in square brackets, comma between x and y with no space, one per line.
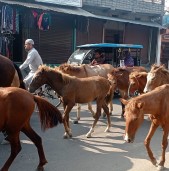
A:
[158,48]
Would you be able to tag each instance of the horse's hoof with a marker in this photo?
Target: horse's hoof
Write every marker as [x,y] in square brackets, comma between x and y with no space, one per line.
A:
[75,122]
[65,136]
[40,168]
[107,130]
[160,168]
[70,135]
[88,135]
[154,162]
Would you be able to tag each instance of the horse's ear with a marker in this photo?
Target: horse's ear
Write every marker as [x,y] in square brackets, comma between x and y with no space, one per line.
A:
[140,105]
[125,102]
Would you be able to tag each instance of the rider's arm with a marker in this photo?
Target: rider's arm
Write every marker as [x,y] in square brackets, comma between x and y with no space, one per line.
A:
[28,61]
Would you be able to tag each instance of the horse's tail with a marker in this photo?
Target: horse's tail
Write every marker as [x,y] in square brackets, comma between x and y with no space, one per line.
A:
[109,95]
[22,84]
[49,114]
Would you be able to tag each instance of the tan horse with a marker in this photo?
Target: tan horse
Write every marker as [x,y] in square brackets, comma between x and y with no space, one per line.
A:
[85,70]
[74,90]
[155,103]
[121,77]
[16,108]
[157,76]
[137,82]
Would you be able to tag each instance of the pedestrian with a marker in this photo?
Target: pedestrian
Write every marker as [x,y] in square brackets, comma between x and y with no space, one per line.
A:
[33,60]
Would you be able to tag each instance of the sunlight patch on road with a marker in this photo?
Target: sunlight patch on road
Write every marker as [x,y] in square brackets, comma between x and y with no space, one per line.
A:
[102,149]
[26,142]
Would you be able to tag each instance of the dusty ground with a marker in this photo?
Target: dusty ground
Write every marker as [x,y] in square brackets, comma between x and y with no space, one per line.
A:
[102,152]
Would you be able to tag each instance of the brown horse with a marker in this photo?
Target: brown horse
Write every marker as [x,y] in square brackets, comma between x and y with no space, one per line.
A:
[157,76]
[15,117]
[137,82]
[121,76]
[74,90]
[10,74]
[85,70]
[155,103]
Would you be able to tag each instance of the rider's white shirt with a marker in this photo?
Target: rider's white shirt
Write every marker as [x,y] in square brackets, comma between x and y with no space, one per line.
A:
[33,60]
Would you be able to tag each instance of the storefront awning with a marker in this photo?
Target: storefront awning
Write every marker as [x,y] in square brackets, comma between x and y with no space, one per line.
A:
[150,24]
[60,9]
[79,12]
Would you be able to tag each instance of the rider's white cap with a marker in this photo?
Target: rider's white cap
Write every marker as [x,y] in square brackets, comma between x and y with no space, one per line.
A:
[30,41]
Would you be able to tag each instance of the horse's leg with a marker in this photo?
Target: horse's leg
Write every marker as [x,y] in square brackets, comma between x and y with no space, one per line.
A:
[124,96]
[76,121]
[164,146]
[97,116]
[36,139]
[67,110]
[122,106]
[78,111]
[111,101]
[150,134]
[67,121]
[111,107]
[15,149]
[90,108]
[106,110]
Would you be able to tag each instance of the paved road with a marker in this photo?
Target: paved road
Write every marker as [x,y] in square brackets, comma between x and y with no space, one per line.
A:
[102,152]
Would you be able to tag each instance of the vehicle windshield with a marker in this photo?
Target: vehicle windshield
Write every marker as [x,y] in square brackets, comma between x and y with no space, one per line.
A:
[78,56]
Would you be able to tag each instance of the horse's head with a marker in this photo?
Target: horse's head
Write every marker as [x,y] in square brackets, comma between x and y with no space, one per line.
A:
[155,77]
[133,84]
[38,79]
[113,80]
[137,81]
[134,117]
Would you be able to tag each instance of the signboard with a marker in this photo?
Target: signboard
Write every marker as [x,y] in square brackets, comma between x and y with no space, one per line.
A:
[75,3]
[166,36]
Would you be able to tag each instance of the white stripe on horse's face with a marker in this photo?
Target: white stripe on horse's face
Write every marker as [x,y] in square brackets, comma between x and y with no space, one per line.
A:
[150,77]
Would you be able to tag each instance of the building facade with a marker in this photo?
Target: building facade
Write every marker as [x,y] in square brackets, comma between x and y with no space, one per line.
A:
[76,22]
[130,21]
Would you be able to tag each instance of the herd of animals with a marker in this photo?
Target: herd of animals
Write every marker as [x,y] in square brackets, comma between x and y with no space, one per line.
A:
[141,92]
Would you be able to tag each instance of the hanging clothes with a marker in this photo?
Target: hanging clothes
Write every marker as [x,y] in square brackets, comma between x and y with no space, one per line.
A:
[9,20]
[44,21]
